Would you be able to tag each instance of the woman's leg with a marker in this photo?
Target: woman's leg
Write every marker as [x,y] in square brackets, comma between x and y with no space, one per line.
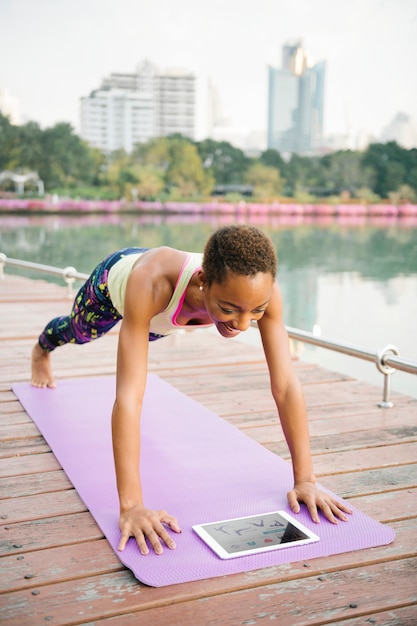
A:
[92,315]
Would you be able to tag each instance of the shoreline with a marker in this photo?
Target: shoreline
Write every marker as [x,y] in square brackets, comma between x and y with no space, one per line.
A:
[16,205]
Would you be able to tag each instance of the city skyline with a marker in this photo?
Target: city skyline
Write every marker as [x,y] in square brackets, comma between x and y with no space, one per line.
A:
[55,53]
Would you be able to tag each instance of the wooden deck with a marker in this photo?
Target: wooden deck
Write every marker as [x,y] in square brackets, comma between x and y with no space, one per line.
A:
[57,568]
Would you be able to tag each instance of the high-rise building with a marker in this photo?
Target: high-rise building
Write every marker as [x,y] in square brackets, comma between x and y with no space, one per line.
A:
[296,103]
[133,108]
[9,106]
[402,130]
[112,119]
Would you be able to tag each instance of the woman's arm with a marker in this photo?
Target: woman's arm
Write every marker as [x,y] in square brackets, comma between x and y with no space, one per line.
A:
[288,396]
[132,365]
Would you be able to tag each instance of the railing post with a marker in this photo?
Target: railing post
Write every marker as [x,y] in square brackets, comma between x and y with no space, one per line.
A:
[3,259]
[386,370]
[69,278]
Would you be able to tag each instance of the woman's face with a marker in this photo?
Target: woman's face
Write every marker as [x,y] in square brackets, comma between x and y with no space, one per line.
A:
[233,304]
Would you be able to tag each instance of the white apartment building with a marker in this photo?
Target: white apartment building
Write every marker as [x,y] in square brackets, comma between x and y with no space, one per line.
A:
[132,108]
[112,119]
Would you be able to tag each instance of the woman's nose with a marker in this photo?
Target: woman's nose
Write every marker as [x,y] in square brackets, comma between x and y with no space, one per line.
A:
[242,322]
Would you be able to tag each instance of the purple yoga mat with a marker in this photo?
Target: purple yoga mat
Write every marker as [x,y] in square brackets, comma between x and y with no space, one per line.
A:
[194,465]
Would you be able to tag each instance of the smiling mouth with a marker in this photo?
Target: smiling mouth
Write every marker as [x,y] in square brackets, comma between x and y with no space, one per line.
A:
[226,331]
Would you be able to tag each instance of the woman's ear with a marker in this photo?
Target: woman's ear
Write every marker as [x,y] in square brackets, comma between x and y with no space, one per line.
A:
[201,279]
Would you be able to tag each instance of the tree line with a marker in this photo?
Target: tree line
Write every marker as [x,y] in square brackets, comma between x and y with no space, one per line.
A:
[177,168]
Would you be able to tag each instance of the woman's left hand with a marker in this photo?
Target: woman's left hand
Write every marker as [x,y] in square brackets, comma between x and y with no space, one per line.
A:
[315,499]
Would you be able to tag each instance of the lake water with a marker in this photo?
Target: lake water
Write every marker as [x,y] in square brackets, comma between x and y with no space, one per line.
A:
[354,281]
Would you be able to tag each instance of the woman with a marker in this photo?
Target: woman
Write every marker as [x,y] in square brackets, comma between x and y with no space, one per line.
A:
[155,292]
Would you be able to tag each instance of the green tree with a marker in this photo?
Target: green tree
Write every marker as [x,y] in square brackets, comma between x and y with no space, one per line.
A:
[404,194]
[303,175]
[66,160]
[272,158]
[9,144]
[411,176]
[155,153]
[30,146]
[366,195]
[224,162]
[185,170]
[392,166]
[150,182]
[266,180]
[395,176]
[343,171]
[174,163]
[120,174]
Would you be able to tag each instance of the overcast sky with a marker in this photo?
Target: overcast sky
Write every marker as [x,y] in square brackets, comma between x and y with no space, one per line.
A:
[52,52]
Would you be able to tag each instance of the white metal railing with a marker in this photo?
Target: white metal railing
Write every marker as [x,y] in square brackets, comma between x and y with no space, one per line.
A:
[387,359]
[69,274]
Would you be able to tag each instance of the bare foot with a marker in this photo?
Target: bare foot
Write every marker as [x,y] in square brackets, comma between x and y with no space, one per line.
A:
[41,368]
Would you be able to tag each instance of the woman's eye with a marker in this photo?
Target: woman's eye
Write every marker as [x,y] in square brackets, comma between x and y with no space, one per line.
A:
[227,311]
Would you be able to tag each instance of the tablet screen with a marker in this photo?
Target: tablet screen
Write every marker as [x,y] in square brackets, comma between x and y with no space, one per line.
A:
[253,534]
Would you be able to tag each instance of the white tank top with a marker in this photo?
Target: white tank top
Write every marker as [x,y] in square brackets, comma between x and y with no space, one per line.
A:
[165,322]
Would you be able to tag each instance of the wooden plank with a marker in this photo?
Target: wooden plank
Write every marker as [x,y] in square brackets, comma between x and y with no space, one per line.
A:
[331,418]
[28,464]
[41,506]
[17,447]
[330,597]
[43,567]
[405,616]
[36,483]
[392,505]
[18,431]
[353,460]
[324,439]
[6,396]
[52,531]
[234,402]
[11,407]
[16,417]
[373,481]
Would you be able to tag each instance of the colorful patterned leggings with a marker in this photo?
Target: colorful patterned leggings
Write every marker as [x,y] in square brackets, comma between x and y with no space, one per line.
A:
[92,314]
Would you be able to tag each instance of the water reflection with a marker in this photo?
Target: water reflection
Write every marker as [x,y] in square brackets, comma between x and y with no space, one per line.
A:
[356,278]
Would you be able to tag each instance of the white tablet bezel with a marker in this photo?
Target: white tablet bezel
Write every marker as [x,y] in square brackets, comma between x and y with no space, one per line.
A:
[201,531]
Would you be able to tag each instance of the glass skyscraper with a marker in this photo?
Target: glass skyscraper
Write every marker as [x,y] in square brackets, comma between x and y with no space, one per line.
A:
[296,103]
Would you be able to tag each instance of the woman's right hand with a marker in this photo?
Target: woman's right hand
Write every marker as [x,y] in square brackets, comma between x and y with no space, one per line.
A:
[143,523]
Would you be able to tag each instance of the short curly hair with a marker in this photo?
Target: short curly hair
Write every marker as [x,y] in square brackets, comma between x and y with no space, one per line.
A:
[242,249]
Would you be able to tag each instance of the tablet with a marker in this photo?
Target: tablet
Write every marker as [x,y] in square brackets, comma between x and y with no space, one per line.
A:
[243,536]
